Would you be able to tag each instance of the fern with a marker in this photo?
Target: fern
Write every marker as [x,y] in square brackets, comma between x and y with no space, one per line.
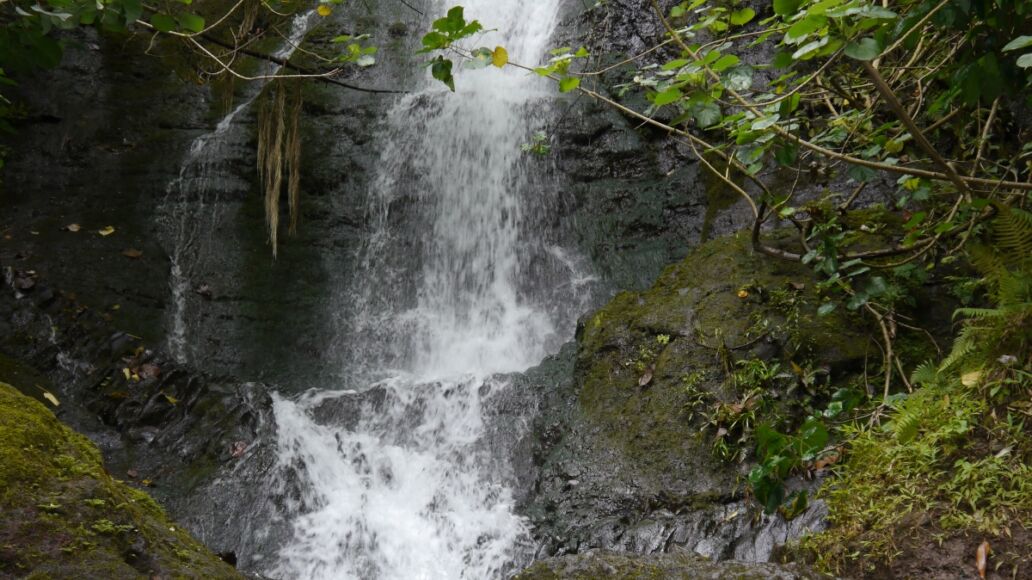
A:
[906,424]
[1006,267]
[926,373]
[1012,233]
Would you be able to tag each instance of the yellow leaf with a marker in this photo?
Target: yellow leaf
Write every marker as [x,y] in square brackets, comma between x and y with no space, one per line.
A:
[500,56]
[324,10]
[170,399]
[798,370]
[743,294]
[125,371]
[50,397]
[982,558]
[107,231]
[970,379]
[73,227]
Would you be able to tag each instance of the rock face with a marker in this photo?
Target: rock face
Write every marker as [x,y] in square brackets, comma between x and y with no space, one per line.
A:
[152,418]
[611,566]
[626,461]
[64,516]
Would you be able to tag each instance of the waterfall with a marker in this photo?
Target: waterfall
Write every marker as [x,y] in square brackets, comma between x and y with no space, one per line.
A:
[402,478]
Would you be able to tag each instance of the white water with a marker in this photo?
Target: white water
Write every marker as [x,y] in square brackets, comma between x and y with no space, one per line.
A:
[408,487]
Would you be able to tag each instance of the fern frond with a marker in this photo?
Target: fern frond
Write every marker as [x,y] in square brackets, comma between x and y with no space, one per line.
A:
[906,424]
[925,373]
[978,313]
[1012,234]
[964,346]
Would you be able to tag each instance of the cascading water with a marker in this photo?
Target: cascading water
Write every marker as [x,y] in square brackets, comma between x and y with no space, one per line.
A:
[398,480]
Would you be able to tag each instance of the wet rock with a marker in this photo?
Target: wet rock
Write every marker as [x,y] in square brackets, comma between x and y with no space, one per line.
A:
[616,566]
[648,480]
[66,517]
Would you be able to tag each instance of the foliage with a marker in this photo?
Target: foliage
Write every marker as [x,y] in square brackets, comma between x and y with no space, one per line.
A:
[928,459]
[787,92]
[1006,265]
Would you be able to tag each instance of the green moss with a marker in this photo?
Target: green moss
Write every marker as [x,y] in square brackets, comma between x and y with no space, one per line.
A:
[65,517]
[926,472]
[706,309]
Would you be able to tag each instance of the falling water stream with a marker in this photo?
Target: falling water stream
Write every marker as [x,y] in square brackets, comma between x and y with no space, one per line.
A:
[397,472]
[406,487]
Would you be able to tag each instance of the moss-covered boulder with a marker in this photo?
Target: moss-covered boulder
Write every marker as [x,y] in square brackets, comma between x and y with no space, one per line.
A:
[648,446]
[646,357]
[64,516]
[610,566]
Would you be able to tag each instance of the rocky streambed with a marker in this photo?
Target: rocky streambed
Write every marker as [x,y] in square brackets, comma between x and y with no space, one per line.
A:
[616,460]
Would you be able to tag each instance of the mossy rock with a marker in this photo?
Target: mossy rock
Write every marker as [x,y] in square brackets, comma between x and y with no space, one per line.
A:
[698,318]
[65,517]
[612,566]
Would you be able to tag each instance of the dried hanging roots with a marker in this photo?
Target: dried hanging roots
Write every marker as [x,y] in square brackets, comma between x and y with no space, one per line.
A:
[279,153]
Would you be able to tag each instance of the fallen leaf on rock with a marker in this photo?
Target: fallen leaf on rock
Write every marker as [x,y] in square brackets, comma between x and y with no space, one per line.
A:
[149,371]
[982,558]
[172,400]
[743,294]
[73,227]
[132,473]
[146,483]
[49,396]
[971,379]
[238,448]
[107,231]
[128,374]
[132,253]
[645,378]
[34,232]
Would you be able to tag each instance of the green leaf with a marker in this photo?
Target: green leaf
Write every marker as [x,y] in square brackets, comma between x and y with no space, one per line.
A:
[865,49]
[783,59]
[567,84]
[1019,42]
[434,41]
[132,9]
[666,97]
[163,22]
[765,122]
[808,49]
[799,31]
[1025,61]
[725,62]
[441,69]
[826,309]
[739,78]
[191,22]
[786,7]
[789,105]
[740,17]
[706,114]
